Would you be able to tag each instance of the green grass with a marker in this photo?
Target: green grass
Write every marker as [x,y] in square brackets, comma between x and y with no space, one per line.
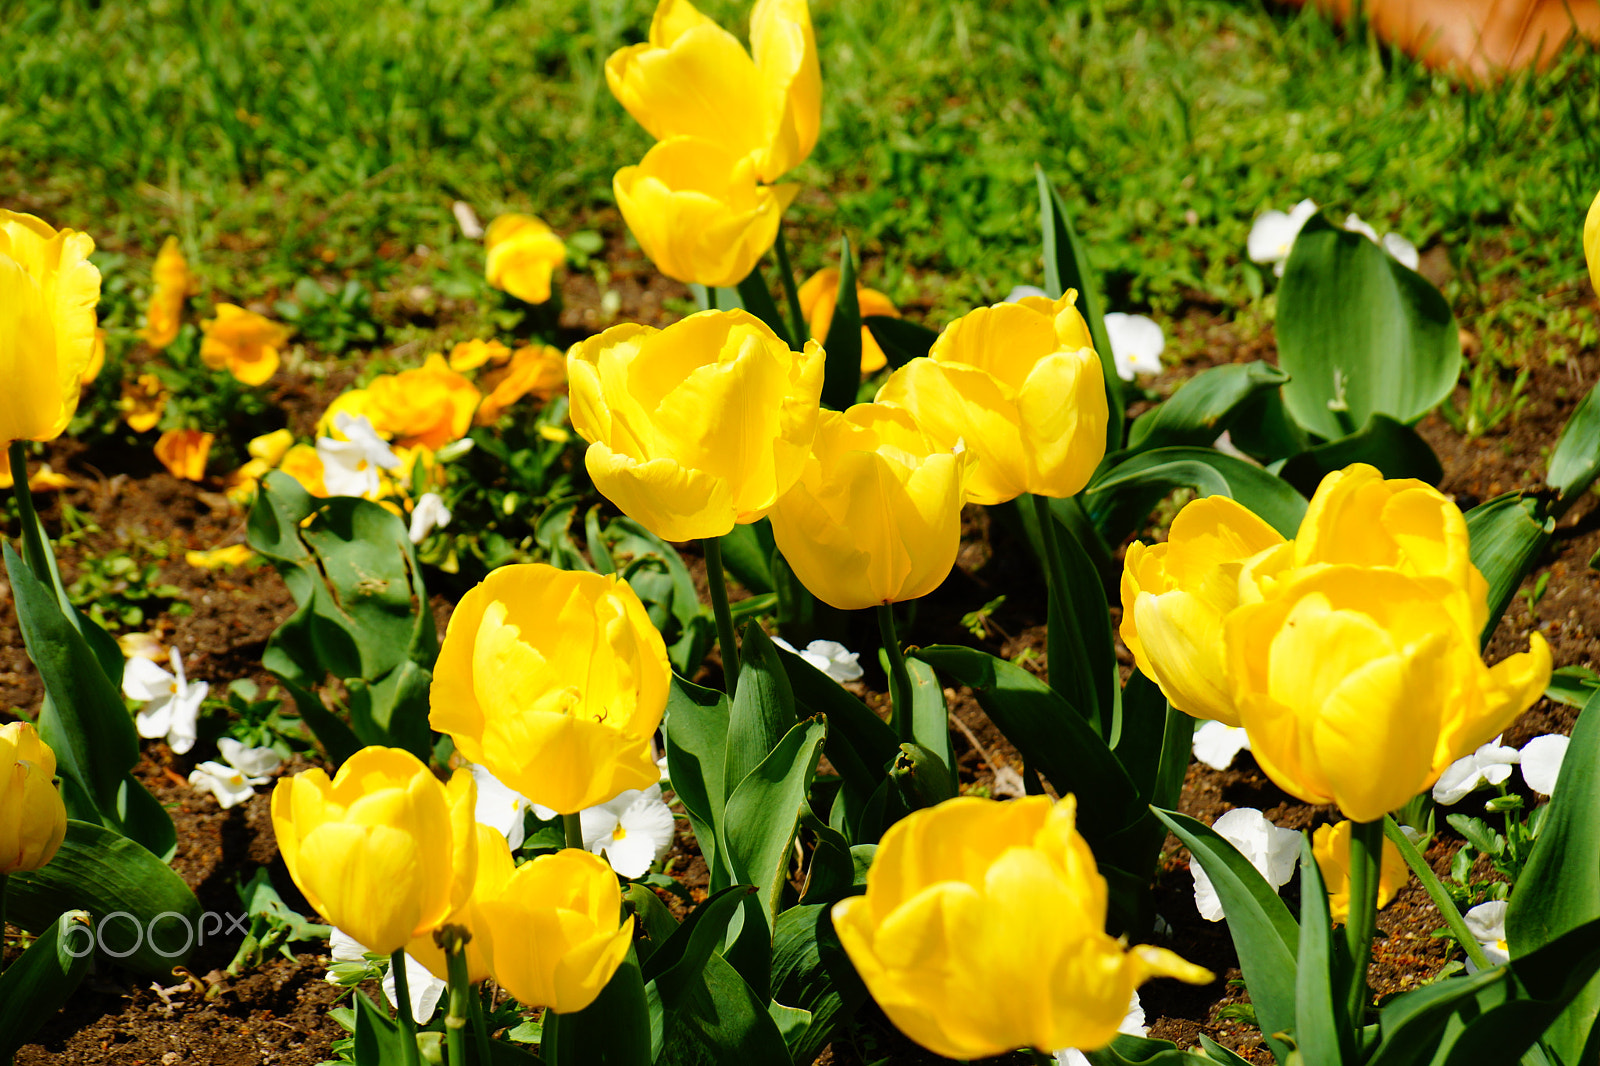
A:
[282,141]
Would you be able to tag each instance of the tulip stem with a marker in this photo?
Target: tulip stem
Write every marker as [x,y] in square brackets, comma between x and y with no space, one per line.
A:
[797,317]
[717,582]
[33,551]
[899,676]
[402,1004]
[453,939]
[1435,890]
[1366,851]
[572,827]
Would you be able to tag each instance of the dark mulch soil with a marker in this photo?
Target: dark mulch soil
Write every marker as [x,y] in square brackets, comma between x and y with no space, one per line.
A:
[278,1013]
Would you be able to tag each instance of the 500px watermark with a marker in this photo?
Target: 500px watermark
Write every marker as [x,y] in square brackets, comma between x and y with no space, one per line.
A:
[177,933]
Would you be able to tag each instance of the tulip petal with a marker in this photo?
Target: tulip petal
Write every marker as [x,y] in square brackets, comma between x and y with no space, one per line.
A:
[673,501]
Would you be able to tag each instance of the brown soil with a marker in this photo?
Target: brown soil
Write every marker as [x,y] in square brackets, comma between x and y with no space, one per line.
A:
[278,1013]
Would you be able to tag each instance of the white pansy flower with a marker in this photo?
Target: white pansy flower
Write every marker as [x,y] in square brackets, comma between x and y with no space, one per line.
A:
[1272,851]
[1273,234]
[467,219]
[829,656]
[632,831]
[171,704]
[1136,344]
[234,780]
[350,467]
[423,989]
[429,514]
[1490,765]
[1541,762]
[1400,250]
[1216,744]
[1022,292]
[502,807]
[1132,1025]
[1487,924]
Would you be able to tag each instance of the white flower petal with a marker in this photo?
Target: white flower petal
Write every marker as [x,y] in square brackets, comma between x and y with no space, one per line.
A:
[1354,224]
[429,514]
[1401,250]
[1273,234]
[1541,762]
[344,948]
[500,806]
[834,659]
[424,990]
[1136,344]
[156,718]
[143,680]
[228,785]
[1487,921]
[1271,850]
[1206,900]
[1216,744]
[252,762]
[467,219]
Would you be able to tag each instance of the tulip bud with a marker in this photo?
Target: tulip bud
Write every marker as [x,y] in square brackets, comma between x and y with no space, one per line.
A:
[1175,596]
[698,212]
[1020,385]
[521,253]
[876,515]
[385,851]
[33,819]
[983,930]
[1330,845]
[554,933]
[698,426]
[555,681]
[48,293]
[693,79]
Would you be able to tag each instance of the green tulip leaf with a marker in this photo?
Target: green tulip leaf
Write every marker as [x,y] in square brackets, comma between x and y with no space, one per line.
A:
[1125,1050]
[930,716]
[1121,498]
[377,1037]
[747,555]
[1321,1023]
[763,813]
[1575,463]
[842,371]
[1066,266]
[1413,1024]
[1204,407]
[103,873]
[1264,932]
[921,777]
[860,745]
[1359,334]
[762,711]
[900,340]
[1508,535]
[695,730]
[1559,889]
[1392,447]
[43,978]
[811,970]
[614,1030]
[1078,636]
[754,296]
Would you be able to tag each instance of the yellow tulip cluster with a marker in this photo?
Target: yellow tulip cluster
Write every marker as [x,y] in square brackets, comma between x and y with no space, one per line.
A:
[33,818]
[390,854]
[1349,654]
[728,123]
[983,930]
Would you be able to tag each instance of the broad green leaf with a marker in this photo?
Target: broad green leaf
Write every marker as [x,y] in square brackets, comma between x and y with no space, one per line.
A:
[676,961]
[842,372]
[1143,736]
[377,1035]
[1125,1050]
[103,873]
[930,716]
[1559,889]
[763,812]
[43,978]
[1262,429]
[695,729]
[1204,407]
[1082,660]
[614,1030]
[1572,685]
[811,971]
[1411,1024]
[755,297]
[718,1020]
[747,555]
[860,745]
[83,719]
[763,708]
[336,737]
[1359,334]
[1066,266]
[1121,498]
[1393,447]
[656,923]
[1321,1023]
[830,874]
[1049,733]
[1217,1053]
[1508,535]
[1264,932]
[1575,463]
[900,340]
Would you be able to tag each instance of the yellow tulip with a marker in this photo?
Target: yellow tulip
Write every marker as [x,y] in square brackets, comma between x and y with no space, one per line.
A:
[876,515]
[33,820]
[470,355]
[555,680]
[1591,242]
[698,426]
[184,453]
[143,401]
[302,463]
[555,933]
[818,297]
[982,930]
[242,342]
[1358,687]
[1020,385]
[431,405]
[1330,845]
[385,851]
[174,284]
[48,293]
[697,211]
[537,370]
[495,867]
[693,79]
[521,253]
[1175,596]
[97,359]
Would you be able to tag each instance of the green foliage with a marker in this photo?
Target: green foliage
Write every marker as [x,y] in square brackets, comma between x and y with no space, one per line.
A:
[37,984]
[333,321]
[273,925]
[116,591]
